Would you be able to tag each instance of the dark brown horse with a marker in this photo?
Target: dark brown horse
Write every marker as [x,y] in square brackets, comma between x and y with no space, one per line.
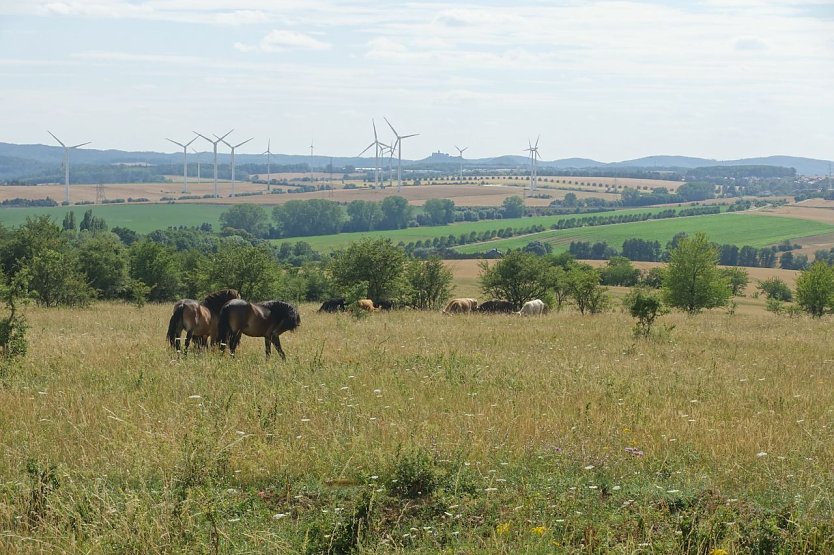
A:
[268,319]
[199,320]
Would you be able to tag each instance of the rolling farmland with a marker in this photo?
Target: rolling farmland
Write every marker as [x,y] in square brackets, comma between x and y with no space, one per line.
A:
[756,230]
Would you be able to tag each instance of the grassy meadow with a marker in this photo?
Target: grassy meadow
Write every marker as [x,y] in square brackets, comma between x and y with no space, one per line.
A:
[415,432]
[142,218]
[329,243]
[756,230]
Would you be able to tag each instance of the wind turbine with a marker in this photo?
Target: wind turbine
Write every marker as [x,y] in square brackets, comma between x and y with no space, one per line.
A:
[198,165]
[399,146]
[214,144]
[377,152]
[311,161]
[534,157]
[460,152]
[232,163]
[268,163]
[66,162]
[184,161]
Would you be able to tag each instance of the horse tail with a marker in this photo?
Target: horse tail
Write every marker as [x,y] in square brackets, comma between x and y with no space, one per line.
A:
[175,324]
[224,327]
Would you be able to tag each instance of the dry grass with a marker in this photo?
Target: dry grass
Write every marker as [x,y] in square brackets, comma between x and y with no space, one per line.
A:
[528,420]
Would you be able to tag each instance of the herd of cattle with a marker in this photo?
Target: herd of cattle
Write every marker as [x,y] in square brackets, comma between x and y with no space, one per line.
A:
[536,307]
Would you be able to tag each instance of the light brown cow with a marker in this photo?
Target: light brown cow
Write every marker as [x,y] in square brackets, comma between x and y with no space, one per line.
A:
[366,304]
[461,306]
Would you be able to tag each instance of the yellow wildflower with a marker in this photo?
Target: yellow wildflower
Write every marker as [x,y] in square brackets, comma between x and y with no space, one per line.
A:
[719,551]
[539,530]
[502,529]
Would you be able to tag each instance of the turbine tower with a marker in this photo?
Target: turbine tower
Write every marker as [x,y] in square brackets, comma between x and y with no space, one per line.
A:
[214,144]
[66,162]
[198,165]
[311,161]
[268,163]
[184,161]
[399,146]
[232,163]
[534,157]
[460,152]
[378,151]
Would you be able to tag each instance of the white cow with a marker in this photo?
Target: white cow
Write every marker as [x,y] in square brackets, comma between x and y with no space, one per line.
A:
[532,308]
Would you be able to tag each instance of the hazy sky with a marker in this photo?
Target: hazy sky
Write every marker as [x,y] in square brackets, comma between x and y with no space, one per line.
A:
[608,80]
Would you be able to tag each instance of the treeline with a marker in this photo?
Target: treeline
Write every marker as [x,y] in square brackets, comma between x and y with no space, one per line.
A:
[441,245]
[728,255]
[303,218]
[69,265]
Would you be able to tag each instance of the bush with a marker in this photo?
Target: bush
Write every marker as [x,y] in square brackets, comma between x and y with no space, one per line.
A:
[775,289]
[584,288]
[646,306]
[620,271]
[737,278]
[692,281]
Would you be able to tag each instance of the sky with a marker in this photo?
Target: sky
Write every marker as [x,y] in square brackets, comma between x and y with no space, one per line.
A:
[608,80]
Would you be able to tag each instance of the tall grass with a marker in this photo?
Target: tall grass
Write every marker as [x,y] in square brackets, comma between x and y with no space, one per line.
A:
[414,431]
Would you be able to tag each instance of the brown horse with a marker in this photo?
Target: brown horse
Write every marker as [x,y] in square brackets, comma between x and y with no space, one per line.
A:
[268,319]
[199,320]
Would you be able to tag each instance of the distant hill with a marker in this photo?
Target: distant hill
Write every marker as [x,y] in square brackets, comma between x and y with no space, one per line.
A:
[19,161]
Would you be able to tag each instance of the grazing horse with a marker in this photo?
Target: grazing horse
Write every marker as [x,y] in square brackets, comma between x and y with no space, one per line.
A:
[333,305]
[199,320]
[366,304]
[268,319]
[384,304]
[496,306]
[461,306]
[535,307]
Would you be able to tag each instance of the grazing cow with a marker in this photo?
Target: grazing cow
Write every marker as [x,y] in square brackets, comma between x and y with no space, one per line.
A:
[532,308]
[496,307]
[366,304]
[461,306]
[333,305]
[384,304]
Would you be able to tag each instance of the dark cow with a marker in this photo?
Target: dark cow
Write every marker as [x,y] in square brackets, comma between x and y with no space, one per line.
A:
[496,307]
[384,304]
[333,305]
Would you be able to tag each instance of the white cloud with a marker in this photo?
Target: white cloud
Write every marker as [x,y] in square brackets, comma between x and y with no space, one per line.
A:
[278,39]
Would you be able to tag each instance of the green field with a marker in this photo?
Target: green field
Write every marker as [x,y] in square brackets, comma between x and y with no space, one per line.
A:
[142,218]
[756,230]
[329,243]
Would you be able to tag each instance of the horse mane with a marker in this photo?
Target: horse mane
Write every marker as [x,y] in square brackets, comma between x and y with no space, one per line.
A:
[215,301]
[279,310]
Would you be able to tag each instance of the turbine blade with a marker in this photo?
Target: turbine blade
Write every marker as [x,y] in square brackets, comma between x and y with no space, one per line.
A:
[226,135]
[244,142]
[191,141]
[203,136]
[374,124]
[392,127]
[366,149]
[56,138]
[81,144]
[176,143]
[407,136]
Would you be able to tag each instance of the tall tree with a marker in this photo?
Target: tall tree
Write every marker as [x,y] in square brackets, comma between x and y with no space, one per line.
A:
[396,213]
[518,277]
[430,283]
[378,263]
[251,218]
[815,289]
[692,281]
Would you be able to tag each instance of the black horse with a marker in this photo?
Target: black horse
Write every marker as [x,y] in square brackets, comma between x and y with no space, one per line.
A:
[384,304]
[496,306]
[333,305]
[268,319]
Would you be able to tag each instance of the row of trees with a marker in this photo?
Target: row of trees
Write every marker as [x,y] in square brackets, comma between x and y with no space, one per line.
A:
[64,267]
